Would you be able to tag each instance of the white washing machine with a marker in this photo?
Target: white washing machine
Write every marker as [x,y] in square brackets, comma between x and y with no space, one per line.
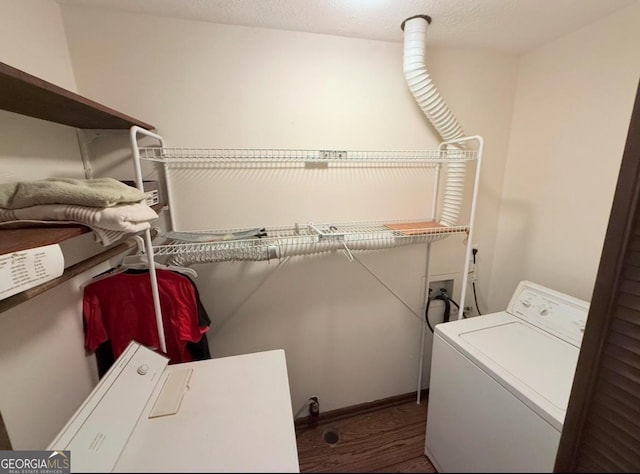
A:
[500,384]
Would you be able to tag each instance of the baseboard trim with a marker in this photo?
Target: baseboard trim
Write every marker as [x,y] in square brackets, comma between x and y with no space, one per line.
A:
[360,409]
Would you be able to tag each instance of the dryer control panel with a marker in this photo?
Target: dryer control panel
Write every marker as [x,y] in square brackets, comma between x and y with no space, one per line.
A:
[99,430]
[554,312]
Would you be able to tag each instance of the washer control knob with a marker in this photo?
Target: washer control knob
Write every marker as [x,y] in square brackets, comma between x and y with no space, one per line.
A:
[526,303]
[544,311]
[143,369]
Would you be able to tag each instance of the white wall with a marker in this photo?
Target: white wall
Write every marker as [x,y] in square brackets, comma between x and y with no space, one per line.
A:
[32,39]
[571,115]
[347,339]
[43,368]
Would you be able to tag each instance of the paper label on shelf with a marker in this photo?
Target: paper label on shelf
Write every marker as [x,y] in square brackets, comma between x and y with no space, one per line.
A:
[25,269]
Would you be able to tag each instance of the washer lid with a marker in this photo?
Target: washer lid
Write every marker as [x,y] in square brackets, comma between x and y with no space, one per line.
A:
[544,363]
[534,365]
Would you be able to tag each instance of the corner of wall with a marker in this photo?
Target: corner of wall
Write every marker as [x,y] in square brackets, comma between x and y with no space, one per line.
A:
[32,39]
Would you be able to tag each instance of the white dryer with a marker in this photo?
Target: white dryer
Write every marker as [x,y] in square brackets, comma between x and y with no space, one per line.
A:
[500,384]
[230,414]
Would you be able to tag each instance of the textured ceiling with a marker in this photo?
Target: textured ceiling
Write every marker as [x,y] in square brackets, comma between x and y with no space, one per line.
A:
[507,25]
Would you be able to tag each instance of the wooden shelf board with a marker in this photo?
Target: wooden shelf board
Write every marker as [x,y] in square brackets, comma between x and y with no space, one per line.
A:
[417,228]
[71,271]
[25,94]
[14,240]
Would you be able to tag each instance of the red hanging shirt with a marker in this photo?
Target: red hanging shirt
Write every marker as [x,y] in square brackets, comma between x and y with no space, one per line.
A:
[120,309]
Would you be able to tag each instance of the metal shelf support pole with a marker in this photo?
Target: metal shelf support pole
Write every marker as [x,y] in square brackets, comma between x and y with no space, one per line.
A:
[135,130]
[474,200]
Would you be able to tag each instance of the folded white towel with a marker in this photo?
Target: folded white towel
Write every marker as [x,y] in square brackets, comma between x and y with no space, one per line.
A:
[123,218]
[96,192]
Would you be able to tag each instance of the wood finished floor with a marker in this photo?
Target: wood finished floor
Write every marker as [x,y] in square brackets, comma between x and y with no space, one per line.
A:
[386,440]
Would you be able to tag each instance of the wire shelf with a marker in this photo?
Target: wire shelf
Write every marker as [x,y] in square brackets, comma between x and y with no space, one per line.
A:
[301,239]
[206,155]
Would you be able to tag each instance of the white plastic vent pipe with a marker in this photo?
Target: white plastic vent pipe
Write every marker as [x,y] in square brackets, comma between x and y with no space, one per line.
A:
[291,247]
[436,110]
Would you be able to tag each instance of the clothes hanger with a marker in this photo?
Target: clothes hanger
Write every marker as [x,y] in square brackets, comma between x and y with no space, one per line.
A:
[109,274]
[120,268]
[139,261]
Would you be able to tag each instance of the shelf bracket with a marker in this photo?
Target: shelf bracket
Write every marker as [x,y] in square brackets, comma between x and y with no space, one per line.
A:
[329,155]
[347,252]
[85,137]
[327,232]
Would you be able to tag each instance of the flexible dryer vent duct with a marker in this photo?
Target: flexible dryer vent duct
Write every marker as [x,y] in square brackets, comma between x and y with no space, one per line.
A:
[436,110]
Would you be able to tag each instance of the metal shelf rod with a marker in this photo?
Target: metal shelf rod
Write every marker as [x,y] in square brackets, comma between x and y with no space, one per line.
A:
[203,155]
[134,132]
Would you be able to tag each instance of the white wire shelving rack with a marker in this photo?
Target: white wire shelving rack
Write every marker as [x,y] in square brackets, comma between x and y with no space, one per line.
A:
[221,245]
[303,239]
[171,156]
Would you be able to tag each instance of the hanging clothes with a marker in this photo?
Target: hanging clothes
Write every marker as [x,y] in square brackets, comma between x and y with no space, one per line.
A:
[120,308]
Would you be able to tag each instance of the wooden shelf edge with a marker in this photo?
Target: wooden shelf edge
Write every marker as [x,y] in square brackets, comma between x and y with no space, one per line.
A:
[418,228]
[69,273]
[16,240]
[29,95]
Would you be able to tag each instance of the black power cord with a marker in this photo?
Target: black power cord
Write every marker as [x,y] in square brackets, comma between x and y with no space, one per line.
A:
[457,306]
[475,297]
[426,311]
[447,306]
[473,283]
